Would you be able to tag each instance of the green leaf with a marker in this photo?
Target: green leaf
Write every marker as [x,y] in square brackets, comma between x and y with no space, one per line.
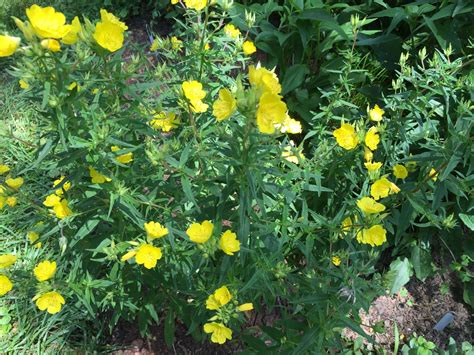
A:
[468,293]
[170,328]
[152,311]
[325,18]
[47,90]
[189,192]
[45,149]
[468,220]
[294,77]
[85,230]
[421,260]
[398,275]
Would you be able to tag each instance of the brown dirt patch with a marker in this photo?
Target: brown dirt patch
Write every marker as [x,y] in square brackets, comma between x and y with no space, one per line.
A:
[133,344]
[416,310]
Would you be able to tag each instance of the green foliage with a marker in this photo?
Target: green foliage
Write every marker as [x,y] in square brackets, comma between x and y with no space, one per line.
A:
[303,39]
[116,137]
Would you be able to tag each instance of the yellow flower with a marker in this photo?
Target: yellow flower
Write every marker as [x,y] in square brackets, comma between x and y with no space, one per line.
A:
[51,45]
[45,270]
[291,126]
[174,2]
[106,16]
[47,23]
[433,174]
[245,307]
[224,106]
[231,31]
[65,187]
[368,155]
[4,169]
[11,201]
[23,84]
[220,333]
[130,254]
[176,43]
[109,32]
[5,285]
[3,200]
[7,260]
[346,224]
[155,45]
[194,93]
[8,45]
[148,255]
[382,188]
[219,298]
[346,136]
[124,158]
[15,184]
[72,35]
[193,90]
[336,260]
[52,200]
[229,243]
[197,5]
[200,233]
[376,114]
[372,139]
[62,209]
[271,111]
[264,79]
[51,302]
[289,154]
[207,47]
[74,85]
[369,205]
[155,230]
[370,166]
[249,48]
[375,235]
[165,121]
[199,106]
[98,178]
[400,171]
[32,236]
[109,36]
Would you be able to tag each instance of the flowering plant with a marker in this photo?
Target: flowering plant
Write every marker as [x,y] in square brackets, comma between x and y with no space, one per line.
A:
[178,184]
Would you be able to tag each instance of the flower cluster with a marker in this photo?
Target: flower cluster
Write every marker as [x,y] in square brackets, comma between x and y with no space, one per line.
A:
[347,138]
[46,300]
[194,94]
[219,301]
[271,113]
[164,121]
[50,301]
[200,233]
[56,201]
[9,188]
[145,253]
[6,260]
[46,28]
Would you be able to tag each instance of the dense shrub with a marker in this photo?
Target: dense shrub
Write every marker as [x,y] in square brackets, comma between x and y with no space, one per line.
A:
[171,182]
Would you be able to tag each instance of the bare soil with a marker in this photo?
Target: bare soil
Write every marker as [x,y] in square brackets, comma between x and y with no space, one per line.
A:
[128,335]
[417,310]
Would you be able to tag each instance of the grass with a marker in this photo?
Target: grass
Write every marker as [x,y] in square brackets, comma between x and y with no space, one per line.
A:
[24,329]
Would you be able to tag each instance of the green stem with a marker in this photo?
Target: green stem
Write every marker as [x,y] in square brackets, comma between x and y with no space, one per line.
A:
[201,45]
